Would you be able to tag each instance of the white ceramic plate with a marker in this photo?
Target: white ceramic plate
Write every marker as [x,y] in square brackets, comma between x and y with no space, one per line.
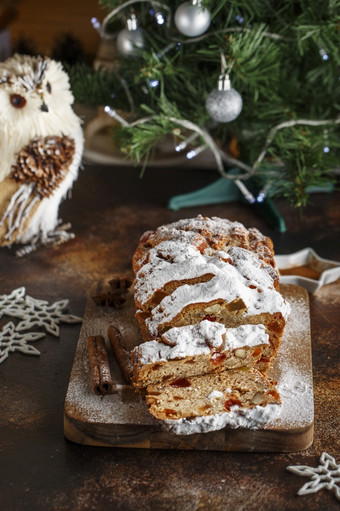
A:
[329,270]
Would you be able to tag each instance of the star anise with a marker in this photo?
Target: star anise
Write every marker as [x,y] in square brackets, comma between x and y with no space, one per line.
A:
[116,296]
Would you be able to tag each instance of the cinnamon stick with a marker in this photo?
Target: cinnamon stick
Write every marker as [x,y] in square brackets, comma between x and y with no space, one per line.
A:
[123,355]
[99,365]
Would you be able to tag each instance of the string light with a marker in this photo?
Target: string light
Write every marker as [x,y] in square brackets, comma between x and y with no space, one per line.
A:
[153,83]
[326,148]
[261,196]
[245,192]
[240,19]
[180,147]
[263,193]
[195,152]
[112,113]
[159,18]
[96,24]
[323,54]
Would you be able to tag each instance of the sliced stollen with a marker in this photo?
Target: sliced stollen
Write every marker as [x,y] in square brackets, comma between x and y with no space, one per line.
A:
[237,288]
[235,398]
[202,348]
[211,316]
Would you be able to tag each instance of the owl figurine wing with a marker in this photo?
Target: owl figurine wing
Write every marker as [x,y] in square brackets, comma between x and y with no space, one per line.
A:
[41,145]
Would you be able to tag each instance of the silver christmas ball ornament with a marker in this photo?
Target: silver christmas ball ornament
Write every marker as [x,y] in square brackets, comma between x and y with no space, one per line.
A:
[224,104]
[191,19]
[130,39]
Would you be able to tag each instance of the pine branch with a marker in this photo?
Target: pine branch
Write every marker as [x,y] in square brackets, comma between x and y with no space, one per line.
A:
[283,59]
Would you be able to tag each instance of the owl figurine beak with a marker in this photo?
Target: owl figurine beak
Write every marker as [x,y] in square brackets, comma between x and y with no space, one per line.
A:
[44,107]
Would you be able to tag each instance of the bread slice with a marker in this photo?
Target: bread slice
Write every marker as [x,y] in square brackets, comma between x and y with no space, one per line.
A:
[236,398]
[202,348]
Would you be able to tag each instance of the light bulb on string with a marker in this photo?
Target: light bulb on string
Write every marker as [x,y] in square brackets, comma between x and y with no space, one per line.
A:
[245,192]
[184,144]
[96,24]
[112,113]
[323,54]
[261,196]
[326,148]
[159,18]
[153,83]
[195,152]
[192,19]
[187,141]
[131,38]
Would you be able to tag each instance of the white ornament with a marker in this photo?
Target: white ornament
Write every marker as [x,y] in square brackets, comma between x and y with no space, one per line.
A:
[11,340]
[191,19]
[15,298]
[224,104]
[130,39]
[36,120]
[325,476]
[34,312]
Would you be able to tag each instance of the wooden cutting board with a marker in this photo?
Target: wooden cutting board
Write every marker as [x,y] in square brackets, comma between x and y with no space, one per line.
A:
[121,419]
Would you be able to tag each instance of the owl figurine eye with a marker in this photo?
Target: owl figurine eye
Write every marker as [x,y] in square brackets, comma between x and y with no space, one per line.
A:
[17,101]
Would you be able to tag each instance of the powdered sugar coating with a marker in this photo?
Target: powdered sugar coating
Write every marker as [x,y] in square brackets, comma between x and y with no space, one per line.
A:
[205,333]
[199,339]
[168,262]
[245,335]
[177,260]
[251,418]
[245,278]
[216,229]
[173,251]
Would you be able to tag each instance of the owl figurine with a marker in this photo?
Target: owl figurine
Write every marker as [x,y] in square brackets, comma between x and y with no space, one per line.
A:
[41,145]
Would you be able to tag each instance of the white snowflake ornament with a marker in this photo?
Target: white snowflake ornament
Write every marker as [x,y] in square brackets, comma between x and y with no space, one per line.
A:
[16,297]
[11,340]
[33,312]
[325,476]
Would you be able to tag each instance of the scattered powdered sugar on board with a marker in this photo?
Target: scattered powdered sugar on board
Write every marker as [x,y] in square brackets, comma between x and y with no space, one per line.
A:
[296,391]
[295,379]
[124,406]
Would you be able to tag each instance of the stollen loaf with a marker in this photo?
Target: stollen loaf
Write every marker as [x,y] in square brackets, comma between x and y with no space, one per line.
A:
[210,312]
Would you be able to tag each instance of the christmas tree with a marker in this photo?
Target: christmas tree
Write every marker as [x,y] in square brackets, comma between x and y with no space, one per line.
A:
[256,83]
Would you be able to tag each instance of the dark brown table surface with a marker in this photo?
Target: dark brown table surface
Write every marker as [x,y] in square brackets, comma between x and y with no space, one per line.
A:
[40,470]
